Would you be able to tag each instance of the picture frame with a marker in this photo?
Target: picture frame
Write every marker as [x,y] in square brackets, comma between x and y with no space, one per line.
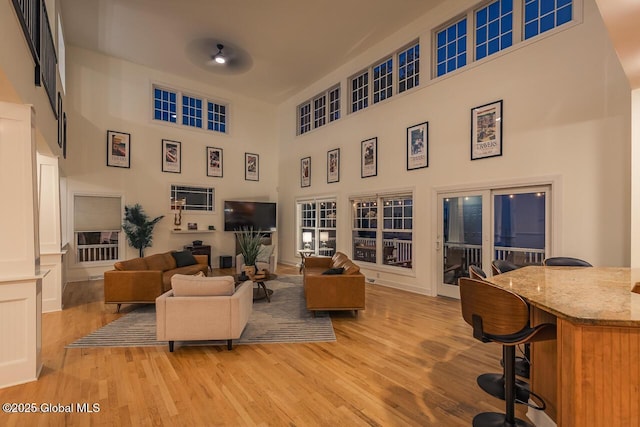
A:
[192,226]
[214,162]
[59,118]
[486,130]
[171,156]
[64,135]
[369,158]
[305,172]
[418,146]
[118,149]
[251,167]
[333,166]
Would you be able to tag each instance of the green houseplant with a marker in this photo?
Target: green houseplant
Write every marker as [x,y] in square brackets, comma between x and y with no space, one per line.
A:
[138,227]
[249,241]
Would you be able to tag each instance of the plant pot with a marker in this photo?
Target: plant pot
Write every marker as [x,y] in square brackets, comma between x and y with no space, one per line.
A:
[249,270]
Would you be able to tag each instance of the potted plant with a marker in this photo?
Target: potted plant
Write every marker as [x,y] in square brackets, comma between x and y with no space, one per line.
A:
[138,227]
[249,241]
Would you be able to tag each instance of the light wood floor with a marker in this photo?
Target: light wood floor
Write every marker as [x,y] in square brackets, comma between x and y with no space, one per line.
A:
[407,360]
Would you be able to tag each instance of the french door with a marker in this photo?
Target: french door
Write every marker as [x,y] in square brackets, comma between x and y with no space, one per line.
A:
[476,227]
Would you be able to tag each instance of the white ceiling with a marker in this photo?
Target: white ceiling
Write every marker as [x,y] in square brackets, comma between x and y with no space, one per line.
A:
[291,43]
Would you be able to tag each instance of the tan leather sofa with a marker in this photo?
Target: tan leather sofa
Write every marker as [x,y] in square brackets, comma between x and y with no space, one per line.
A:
[142,280]
[203,308]
[333,292]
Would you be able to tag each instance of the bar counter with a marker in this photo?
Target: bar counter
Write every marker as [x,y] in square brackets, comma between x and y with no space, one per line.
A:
[590,375]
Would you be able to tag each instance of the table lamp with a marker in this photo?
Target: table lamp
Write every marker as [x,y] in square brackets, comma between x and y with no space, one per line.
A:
[324,238]
[307,238]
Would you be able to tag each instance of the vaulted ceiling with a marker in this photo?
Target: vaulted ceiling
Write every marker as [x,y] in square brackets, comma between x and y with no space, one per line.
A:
[284,44]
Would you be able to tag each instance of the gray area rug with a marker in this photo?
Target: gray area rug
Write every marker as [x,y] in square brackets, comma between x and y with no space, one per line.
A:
[284,320]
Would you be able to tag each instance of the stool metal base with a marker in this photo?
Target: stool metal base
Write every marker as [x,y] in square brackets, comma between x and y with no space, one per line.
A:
[496,419]
[494,385]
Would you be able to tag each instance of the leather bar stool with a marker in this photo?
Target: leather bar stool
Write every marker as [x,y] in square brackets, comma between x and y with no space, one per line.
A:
[565,262]
[476,272]
[500,316]
[499,266]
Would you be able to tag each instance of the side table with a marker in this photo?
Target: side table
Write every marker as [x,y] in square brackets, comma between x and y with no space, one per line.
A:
[304,253]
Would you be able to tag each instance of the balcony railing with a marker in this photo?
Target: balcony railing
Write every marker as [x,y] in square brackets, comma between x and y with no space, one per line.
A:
[93,253]
[395,251]
[472,254]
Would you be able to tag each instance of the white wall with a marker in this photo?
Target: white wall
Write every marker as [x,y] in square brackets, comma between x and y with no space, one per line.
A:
[566,114]
[105,93]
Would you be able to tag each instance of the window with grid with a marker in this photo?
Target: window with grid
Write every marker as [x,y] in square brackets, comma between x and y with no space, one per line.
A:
[545,15]
[451,47]
[386,242]
[334,104]
[494,28]
[216,117]
[409,68]
[319,111]
[164,105]
[360,92]
[317,226]
[191,111]
[304,118]
[383,80]
[192,198]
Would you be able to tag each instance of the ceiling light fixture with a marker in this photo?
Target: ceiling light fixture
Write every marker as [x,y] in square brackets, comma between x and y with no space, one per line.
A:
[219,57]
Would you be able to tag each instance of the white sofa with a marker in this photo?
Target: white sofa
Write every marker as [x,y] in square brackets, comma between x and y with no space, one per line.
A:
[203,308]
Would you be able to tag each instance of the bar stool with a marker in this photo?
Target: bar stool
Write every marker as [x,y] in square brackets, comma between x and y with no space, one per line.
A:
[499,266]
[476,272]
[500,316]
[565,262]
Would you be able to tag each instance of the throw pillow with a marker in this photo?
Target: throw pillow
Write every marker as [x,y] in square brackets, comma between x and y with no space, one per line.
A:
[332,271]
[184,258]
[264,254]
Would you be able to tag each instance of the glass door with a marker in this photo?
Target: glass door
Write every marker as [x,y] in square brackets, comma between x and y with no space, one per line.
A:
[462,238]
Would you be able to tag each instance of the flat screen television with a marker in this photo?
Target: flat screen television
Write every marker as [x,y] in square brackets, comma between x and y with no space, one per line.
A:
[259,215]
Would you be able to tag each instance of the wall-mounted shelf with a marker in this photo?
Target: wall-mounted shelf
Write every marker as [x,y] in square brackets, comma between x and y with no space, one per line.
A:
[192,231]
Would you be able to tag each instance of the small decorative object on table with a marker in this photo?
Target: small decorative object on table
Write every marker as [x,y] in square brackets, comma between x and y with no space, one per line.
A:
[192,226]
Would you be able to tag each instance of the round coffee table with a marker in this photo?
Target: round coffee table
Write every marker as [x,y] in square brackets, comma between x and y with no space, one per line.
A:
[261,292]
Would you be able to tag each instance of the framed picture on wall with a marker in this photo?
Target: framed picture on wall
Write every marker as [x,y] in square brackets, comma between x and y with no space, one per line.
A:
[251,167]
[118,149]
[333,166]
[214,162]
[369,158]
[486,131]
[418,146]
[305,172]
[171,156]
[59,117]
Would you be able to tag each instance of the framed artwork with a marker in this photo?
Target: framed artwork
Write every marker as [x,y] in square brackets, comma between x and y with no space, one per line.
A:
[118,149]
[171,156]
[64,135]
[486,131]
[333,166]
[418,146]
[59,120]
[305,172]
[251,167]
[369,158]
[214,162]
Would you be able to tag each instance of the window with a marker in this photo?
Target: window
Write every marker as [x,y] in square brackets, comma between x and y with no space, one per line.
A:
[216,117]
[192,198]
[389,242]
[494,28]
[545,15]
[317,226]
[409,68]
[191,111]
[334,104]
[164,105]
[315,111]
[451,47]
[188,110]
[96,223]
[383,81]
[360,92]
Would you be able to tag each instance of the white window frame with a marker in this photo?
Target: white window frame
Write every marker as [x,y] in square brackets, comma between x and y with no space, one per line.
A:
[324,220]
[317,111]
[177,193]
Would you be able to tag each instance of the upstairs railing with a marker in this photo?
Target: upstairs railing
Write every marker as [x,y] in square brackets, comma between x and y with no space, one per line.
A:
[34,21]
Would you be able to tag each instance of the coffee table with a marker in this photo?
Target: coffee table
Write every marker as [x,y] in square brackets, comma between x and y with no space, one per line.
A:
[261,292]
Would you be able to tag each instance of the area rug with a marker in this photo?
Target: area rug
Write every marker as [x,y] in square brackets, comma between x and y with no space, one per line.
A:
[283,320]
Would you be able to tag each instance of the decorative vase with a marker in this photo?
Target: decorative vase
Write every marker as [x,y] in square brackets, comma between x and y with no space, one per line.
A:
[249,270]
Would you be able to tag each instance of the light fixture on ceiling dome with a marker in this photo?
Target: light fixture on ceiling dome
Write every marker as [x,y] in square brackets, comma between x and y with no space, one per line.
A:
[219,57]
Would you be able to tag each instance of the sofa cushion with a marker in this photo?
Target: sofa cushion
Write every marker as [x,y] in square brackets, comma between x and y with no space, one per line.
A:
[350,267]
[338,258]
[189,286]
[264,254]
[161,262]
[333,271]
[184,258]
[135,264]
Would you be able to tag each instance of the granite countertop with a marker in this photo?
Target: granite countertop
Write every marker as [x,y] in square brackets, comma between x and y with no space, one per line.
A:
[588,295]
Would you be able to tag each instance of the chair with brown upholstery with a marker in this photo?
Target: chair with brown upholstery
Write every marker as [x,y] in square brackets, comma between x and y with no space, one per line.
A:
[563,261]
[499,266]
[475,272]
[500,316]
